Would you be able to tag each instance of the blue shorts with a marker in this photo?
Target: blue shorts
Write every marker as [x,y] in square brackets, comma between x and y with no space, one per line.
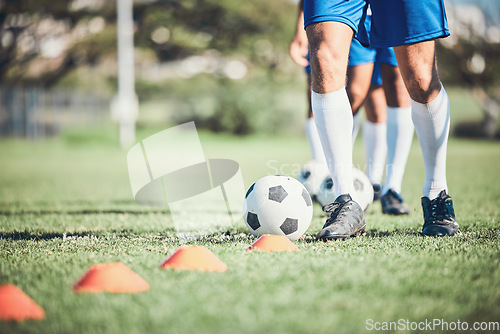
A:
[359,55]
[394,22]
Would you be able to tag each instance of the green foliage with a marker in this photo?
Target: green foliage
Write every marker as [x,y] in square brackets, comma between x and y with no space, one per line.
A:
[242,108]
[454,68]
[195,26]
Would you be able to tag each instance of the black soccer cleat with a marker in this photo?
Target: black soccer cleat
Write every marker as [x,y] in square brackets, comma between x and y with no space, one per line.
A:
[392,204]
[377,192]
[439,216]
[346,219]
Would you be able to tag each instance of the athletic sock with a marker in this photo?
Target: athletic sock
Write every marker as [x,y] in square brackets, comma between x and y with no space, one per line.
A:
[355,126]
[374,137]
[432,124]
[314,141]
[399,139]
[333,117]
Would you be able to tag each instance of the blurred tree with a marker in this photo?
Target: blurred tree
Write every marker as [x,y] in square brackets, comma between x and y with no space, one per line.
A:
[470,57]
[40,39]
[43,40]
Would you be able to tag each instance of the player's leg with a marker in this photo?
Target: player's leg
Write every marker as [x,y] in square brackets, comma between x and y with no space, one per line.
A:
[412,26]
[358,84]
[329,43]
[399,136]
[431,117]
[299,51]
[374,137]
[330,103]
[430,111]
[357,87]
[359,72]
[311,130]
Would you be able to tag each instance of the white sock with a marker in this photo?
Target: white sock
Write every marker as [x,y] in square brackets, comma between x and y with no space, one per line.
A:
[314,141]
[374,137]
[333,117]
[355,126]
[432,124]
[399,138]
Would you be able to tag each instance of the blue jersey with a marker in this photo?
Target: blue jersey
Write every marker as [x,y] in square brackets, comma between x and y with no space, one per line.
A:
[394,22]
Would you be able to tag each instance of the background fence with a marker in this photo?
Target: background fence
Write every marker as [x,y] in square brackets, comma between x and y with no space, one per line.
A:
[36,113]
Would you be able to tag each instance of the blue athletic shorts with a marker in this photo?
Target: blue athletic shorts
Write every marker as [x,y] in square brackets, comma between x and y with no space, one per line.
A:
[376,75]
[359,55]
[394,22]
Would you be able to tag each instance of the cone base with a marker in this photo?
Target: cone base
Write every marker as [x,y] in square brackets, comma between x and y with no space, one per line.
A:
[273,243]
[110,277]
[194,258]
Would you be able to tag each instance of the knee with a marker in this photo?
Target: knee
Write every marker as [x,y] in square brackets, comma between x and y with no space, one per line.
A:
[324,57]
[423,88]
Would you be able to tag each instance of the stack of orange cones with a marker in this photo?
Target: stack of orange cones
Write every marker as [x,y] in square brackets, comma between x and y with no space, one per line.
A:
[110,277]
[16,305]
[194,258]
[273,243]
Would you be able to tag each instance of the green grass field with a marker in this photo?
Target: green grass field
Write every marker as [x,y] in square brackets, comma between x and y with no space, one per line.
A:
[65,205]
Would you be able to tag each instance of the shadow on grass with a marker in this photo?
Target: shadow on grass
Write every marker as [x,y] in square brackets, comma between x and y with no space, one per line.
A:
[41,236]
[465,233]
[78,207]
[80,212]
[372,233]
[26,235]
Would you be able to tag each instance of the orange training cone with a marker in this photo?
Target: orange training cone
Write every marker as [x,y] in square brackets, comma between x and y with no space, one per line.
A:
[194,257]
[273,243]
[110,277]
[16,305]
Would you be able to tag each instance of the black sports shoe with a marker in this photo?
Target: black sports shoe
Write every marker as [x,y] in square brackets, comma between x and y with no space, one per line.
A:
[346,219]
[392,204]
[439,216]
[377,192]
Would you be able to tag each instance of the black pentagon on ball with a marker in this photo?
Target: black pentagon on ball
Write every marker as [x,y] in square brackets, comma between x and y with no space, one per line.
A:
[306,197]
[289,226]
[358,185]
[277,194]
[329,183]
[249,190]
[253,220]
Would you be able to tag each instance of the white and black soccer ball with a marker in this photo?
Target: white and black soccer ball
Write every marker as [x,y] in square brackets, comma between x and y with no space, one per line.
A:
[362,186]
[278,204]
[312,174]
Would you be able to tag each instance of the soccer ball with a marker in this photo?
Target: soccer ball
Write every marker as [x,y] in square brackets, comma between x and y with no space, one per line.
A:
[278,204]
[312,174]
[362,186]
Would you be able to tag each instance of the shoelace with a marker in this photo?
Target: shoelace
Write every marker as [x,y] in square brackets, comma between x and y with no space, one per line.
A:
[331,207]
[334,209]
[438,208]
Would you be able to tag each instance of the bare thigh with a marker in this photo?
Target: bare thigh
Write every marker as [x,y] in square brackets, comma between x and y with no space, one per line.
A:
[329,44]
